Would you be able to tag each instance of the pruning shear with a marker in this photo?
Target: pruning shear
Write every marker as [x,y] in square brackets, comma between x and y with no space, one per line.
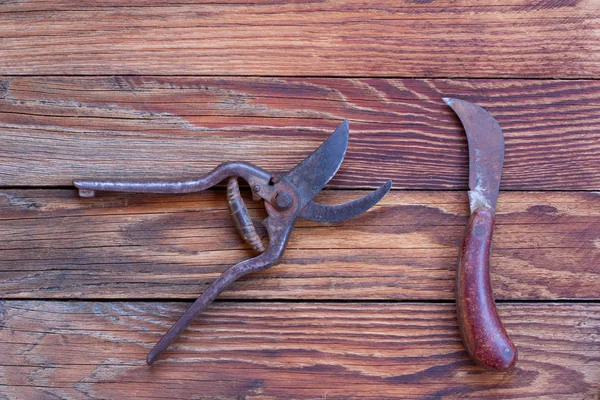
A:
[286,197]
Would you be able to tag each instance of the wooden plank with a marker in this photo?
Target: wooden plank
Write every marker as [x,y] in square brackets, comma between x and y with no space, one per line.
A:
[60,128]
[508,38]
[56,245]
[81,350]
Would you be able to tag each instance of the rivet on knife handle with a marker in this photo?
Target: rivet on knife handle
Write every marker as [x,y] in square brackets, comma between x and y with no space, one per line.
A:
[482,332]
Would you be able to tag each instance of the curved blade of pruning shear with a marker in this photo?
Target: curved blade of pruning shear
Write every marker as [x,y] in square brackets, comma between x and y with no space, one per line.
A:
[325,213]
[317,169]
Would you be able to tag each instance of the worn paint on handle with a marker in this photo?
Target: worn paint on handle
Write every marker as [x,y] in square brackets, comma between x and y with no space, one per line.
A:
[484,336]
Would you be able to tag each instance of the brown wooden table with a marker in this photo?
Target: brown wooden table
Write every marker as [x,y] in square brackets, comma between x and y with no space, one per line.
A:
[359,309]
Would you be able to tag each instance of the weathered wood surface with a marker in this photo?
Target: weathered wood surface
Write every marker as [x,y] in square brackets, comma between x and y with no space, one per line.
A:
[54,129]
[56,245]
[157,89]
[81,350]
[507,38]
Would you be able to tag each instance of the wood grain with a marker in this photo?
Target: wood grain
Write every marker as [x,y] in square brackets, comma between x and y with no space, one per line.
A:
[56,245]
[508,38]
[167,90]
[82,350]
[55,129]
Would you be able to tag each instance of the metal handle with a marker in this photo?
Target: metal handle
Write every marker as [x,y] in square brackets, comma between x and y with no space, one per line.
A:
[255,264]
[482,332]
[252,174]
[279,230]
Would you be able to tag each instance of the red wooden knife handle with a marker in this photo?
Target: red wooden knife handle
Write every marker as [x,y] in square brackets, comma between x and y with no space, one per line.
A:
[482,332]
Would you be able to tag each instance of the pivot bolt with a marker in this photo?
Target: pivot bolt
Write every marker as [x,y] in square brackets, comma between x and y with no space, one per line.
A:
[283,201]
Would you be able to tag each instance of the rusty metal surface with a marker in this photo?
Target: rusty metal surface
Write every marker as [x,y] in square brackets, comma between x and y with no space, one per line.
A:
[287,198]
[309,177]
[325,213]
[486,152]
[255,176]
[241,219]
